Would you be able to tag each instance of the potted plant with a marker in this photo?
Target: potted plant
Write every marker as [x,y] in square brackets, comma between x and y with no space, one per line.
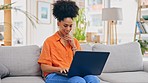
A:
[27,14]
[80,26]
[144,46]
[15,29]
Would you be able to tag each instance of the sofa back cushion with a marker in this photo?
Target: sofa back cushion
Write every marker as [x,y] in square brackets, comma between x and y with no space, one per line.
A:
[21,60]
[124,57]
[86,47]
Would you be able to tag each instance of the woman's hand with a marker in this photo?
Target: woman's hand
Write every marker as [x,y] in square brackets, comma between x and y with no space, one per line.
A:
[47,68]
[70,40]
[64,70]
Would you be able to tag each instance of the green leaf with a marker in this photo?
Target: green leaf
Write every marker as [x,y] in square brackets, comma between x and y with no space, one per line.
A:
[143,45]
[81,23]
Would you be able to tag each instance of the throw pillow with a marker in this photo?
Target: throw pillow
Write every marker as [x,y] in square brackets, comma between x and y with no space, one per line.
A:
[123,57]
[3,71]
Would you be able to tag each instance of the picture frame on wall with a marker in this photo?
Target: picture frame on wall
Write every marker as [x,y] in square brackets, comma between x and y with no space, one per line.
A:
[95,5]
[43,12]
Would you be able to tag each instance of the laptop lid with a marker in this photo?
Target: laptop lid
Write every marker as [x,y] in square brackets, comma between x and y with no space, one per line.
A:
[87,63]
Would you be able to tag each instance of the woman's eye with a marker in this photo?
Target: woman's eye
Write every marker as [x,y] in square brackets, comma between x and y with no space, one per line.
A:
[70,26]
[65,25]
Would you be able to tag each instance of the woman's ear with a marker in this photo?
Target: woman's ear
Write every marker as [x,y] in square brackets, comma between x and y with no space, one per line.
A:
[58,23]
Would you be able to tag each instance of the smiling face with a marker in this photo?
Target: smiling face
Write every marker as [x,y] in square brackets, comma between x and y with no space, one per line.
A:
[65,26]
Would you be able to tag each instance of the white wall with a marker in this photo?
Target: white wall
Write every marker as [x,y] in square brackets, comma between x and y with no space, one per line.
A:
[1,13]
[18,23]
[1,19]
[126,29]
[32,35]
[42,31]
[39,34]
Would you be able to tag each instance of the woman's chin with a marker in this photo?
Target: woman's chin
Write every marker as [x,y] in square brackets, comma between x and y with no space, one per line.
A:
[66,33]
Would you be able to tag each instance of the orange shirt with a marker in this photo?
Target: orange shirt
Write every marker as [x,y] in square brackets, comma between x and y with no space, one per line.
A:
[54,53]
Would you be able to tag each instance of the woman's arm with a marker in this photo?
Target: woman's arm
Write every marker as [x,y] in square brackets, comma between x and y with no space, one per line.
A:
[47,68]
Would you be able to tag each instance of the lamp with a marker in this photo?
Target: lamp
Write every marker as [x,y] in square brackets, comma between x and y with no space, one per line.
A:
[1,30]
[111,15]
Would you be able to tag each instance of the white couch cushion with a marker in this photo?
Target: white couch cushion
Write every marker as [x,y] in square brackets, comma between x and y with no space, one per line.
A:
[125,57]
[145,63]
[21,60]
[86,47]
[23,79]
[125,77]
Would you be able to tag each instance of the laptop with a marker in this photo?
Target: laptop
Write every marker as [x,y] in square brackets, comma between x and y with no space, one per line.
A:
[87,63]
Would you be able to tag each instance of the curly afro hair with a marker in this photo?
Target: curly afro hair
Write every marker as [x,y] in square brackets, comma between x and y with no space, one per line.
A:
[65,8]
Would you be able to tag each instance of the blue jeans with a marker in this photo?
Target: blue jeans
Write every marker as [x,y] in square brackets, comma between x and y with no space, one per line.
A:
[55,78]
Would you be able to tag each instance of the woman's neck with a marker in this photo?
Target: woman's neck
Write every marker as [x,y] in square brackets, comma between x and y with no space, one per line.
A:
[64,42]
[60,34]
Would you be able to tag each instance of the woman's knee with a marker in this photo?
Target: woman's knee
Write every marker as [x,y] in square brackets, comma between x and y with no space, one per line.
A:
[54,78]
[92,79]
[76,79]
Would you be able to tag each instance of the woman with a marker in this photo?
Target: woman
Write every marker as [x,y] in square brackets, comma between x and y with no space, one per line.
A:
[58,50]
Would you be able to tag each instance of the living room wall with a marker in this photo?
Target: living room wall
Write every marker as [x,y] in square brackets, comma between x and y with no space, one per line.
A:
[126,27]
[42,31]
[1,13]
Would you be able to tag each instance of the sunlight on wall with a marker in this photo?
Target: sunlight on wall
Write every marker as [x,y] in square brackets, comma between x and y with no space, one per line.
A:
[1,13]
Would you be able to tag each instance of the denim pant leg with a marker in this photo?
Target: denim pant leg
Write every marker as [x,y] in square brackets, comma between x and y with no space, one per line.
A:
[92,79]
[55,78]
[76,79]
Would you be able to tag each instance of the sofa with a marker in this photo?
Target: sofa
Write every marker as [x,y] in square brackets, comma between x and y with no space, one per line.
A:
[18,64]
[124,65]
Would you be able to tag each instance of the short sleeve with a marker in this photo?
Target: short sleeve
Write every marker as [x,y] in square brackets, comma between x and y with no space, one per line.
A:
[45,56]
[77,44]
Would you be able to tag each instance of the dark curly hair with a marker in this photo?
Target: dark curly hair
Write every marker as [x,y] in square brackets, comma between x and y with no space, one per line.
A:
[65,8]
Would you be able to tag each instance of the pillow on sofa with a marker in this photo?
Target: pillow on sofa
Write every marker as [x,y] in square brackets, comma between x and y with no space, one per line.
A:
[124,57]
[21,60]
[3,71]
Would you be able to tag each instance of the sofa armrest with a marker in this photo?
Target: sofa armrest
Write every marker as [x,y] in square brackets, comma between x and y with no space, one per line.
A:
[145,63]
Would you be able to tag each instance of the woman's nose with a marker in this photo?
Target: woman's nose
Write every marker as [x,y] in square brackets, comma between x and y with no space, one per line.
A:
[69,28]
